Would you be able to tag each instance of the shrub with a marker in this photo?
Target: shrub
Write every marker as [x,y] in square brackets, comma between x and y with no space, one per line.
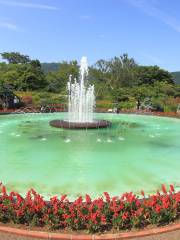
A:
[103,213]
[127,105]
[158,105]
[104,104]
[41,98]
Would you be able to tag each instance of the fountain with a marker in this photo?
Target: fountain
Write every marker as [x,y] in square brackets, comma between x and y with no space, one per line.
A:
[134,152]
[81,103]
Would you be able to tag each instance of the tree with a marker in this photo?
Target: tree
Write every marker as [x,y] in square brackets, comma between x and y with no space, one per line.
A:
[102,66]
[100,79]
[32,77]
[142,92]
[53,82]
[113,75]
[27,76]
[151,74]
[9,74]
[122,71]
[57,81]
[15,57]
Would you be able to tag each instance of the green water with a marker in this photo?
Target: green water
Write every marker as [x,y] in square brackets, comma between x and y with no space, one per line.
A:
[137,152]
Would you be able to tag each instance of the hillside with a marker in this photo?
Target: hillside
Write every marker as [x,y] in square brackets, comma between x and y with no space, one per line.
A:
[50,67]
[176,76]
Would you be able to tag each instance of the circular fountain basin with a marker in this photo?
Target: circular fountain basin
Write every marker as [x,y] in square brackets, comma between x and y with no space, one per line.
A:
[136,152]
[80,125]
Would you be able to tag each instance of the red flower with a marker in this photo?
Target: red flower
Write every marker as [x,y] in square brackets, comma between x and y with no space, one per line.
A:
[115,215]
[124,215]
[158,193]
[78,201]
[142,193]
[4,190]
[165,204]
[88,199]
[158,208]
[164,189]
[89,215]
[63,197]
[172,188]
[103,219]
[107,196]
[114,198]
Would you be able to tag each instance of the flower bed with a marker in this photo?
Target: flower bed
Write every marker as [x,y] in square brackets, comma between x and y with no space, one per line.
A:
[104,213]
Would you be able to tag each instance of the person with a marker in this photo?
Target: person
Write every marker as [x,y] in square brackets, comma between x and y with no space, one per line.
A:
[16,100]
[1,103]
[178,109]
[5,106]
[42,109]
[138,104]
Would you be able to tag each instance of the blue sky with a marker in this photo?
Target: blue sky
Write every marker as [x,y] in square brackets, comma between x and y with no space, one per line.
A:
[55,30]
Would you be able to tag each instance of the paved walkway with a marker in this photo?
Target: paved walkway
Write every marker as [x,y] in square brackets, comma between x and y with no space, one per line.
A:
[165,236]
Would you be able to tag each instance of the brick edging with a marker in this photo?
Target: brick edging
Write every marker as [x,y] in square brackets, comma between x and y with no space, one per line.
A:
[114,236]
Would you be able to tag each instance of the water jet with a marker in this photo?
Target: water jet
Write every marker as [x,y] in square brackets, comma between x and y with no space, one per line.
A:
[81,103]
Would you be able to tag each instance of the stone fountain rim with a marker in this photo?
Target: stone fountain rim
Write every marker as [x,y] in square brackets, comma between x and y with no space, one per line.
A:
[80,125]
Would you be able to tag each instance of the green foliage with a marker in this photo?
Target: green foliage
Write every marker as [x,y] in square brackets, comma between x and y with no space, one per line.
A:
[164,104]
[118,72]
[43,98]
[127,105]
[152,74]
[104,104]
[177,91]
[27,76]
[118,80]
[122,71]
[15,57]
[57,81]
[170,108]
[158,104]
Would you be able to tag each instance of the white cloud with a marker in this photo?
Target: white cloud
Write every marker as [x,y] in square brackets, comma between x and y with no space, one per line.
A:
[28,5]
[151,9]
[10,26]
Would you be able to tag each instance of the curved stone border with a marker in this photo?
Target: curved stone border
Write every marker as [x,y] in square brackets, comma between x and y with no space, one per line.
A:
[114,236]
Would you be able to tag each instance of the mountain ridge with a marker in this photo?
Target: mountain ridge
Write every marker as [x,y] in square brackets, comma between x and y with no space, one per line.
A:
[176,76]
[54,66]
